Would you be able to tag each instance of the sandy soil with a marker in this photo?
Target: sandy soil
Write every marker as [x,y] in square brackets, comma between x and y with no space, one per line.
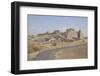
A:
[68,52]
[73,53]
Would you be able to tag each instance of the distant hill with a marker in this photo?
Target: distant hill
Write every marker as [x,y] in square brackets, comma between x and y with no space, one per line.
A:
[68,35]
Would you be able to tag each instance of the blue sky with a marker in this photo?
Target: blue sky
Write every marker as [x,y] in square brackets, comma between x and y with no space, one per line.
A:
[44,23]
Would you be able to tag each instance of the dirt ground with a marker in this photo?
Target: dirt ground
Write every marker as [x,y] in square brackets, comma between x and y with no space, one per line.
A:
[73,53]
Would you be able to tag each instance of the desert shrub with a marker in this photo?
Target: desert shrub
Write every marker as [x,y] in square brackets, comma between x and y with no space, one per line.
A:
[46,39]
[33,46]
[54,44]
[36,47]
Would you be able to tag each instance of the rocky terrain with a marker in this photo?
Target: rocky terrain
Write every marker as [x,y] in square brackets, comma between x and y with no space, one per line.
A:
[48,44]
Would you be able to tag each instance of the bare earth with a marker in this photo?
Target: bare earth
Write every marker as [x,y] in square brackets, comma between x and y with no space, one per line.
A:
[67,52]
[75,52]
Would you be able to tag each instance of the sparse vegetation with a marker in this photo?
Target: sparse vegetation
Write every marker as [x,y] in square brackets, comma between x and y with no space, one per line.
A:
[54,44]
[54,40]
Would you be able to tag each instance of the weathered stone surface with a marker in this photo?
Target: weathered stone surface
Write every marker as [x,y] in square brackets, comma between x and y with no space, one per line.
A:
[69,34]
